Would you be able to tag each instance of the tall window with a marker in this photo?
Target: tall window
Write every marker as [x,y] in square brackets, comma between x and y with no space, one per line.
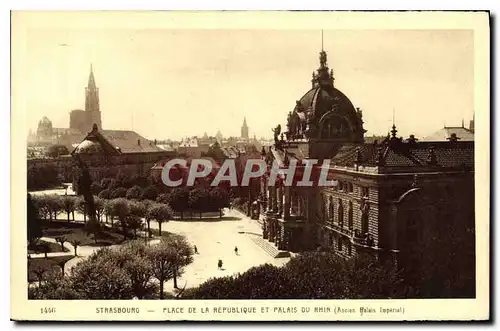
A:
[364,192]
[341,213]
[350,188]
[349,248]
[339,246]
[364,222]
[350,216]
[330,209]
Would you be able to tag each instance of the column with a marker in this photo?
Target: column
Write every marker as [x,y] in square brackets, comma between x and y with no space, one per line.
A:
[286,212]
[278,234]
[294,203]
[299,206]
[280,199]
[275,198]
[269,193]
[265,234]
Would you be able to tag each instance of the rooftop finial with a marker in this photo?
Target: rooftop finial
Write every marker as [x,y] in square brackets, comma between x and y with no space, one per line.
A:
[321,39]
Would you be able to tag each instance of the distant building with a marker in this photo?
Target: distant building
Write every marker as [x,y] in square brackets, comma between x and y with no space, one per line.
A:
[108,151]
[219,136]
[244,129]
[460,132]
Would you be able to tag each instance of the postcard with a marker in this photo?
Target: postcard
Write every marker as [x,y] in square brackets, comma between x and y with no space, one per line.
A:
[250,166]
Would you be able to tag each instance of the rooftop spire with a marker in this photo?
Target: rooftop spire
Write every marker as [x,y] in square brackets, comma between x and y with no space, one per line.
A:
[322,40]
[91,83]
[323,76]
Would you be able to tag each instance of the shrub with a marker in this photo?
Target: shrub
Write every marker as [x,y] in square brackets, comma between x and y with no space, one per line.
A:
[120,192]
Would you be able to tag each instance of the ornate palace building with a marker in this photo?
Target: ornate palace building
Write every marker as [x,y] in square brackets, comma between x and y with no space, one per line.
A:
[396,199]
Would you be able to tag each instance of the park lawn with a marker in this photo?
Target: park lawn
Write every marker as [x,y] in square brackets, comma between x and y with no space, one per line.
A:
[49,264]
[76,231]
[53,247]
[164,233]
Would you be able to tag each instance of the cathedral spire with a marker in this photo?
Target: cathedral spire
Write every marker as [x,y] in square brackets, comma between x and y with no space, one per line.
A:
[91,94]
[91,83]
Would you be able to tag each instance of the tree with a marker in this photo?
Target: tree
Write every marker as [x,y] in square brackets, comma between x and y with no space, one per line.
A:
[55,287]
[308,276]
[199,199]
[51,205]
[93,227]
[56,150]
[179,200]
[163,198]
[134,193]
[42,176]
[68,203]
[44,248]
[120,209]
[108,210]
[81,207]
[105,183]
[138,267]
[41,205]
[149,193]
[183,255]
[99,207]
[147,204]
[96,188]
[99,277]
[219,198]
[134,223]
[105,194]
[34,228]
[119,192]
[161,257]
[160,213]
[39,271]
[61,240]
[62,264]
[75,244]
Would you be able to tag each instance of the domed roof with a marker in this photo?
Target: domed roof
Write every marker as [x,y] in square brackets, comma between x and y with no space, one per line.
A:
[325,112]
[89,147]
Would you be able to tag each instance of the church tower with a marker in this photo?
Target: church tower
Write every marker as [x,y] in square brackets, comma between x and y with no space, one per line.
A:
[244,129]
[92,110]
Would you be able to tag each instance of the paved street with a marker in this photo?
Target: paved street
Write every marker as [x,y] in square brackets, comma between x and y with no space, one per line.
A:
[216,240]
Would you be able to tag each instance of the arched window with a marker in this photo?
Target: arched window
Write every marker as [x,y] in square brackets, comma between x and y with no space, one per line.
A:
[350,216]
[341,213]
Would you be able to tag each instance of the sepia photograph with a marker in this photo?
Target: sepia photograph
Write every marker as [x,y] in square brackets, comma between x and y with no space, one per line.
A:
[243,168]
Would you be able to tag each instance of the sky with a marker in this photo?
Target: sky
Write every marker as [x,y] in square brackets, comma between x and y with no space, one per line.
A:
[172,83]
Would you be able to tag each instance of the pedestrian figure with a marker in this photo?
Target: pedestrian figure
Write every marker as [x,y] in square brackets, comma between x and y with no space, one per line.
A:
[195,249]
[220,264]
[236,250]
